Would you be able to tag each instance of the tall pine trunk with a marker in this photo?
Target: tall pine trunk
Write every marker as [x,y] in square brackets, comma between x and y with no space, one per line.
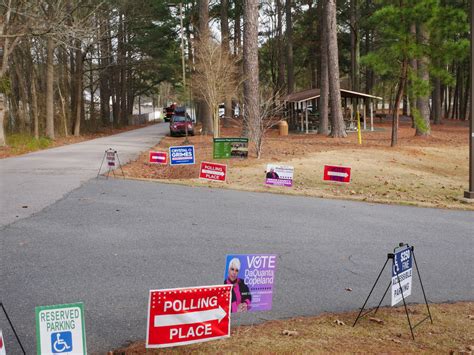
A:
[324,94]
[289,48]
[337,121]
[49,88]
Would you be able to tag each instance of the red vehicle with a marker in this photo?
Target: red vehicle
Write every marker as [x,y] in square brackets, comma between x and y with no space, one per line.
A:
[181,121]
[169,111]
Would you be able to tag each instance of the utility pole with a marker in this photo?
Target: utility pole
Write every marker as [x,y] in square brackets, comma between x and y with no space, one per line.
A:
[469,194]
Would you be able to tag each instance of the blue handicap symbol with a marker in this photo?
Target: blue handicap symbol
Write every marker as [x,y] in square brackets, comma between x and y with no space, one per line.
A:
[61,342]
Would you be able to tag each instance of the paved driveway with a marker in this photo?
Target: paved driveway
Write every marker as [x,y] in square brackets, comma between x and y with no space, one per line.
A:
[111,241]
[38,179]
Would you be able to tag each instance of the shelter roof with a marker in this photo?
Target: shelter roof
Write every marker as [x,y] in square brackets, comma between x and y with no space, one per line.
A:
[311,94]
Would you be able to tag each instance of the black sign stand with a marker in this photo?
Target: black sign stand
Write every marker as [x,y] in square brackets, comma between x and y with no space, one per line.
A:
[391,256]
[110,150]
[11,325]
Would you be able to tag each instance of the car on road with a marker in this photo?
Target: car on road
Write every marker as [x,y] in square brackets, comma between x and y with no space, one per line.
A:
[180,121]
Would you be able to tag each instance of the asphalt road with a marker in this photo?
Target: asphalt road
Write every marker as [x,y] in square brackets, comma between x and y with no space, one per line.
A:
[30,182]
[108,243]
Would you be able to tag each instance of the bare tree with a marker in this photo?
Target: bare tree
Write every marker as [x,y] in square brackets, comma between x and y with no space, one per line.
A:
[268,117]
[215,77]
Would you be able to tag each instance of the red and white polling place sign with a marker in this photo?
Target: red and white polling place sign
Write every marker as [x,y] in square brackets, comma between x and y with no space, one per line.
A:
[183,316]
[213,171]
[158,157]
[337,173]
[2,344]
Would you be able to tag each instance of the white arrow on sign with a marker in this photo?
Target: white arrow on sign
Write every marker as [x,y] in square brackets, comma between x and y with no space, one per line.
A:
[220,173]
[156,157]
[191,317]
[335,173]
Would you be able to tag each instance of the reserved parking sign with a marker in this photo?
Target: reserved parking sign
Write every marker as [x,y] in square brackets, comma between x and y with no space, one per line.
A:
[60,329]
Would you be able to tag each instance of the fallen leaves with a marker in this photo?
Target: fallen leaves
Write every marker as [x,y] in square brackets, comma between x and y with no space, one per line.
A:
[376,320]
[290,333]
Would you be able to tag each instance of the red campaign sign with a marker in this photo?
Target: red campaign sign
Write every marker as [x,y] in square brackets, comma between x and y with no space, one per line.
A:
[337,173]
[213,171]
[158,157]
[183,316]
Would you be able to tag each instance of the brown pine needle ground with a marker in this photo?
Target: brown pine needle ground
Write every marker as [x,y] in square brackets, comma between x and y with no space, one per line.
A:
[452,331]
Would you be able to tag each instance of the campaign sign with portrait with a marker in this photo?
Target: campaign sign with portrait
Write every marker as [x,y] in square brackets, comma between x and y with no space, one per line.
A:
[402,272]
[279,175]
[252,277]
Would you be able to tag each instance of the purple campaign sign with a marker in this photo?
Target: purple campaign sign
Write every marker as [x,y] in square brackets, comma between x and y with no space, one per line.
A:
[253,276]
[279,175]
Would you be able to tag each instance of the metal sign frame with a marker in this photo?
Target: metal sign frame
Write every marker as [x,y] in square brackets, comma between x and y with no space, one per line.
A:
[391,256]
[110,150]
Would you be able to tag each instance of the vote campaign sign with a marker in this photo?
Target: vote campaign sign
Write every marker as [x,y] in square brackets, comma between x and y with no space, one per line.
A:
[60,329]
[213,171]
[182,155]
[110,156]
[183,316]
[253,277]
[279,175]
[3,351]
[158,158]
[402,273]
[337,173]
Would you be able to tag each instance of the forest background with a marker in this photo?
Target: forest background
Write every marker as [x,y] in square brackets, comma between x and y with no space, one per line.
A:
[70,67]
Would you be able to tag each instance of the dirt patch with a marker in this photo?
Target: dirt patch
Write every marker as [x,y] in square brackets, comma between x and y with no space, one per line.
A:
[430,172]
[452,331]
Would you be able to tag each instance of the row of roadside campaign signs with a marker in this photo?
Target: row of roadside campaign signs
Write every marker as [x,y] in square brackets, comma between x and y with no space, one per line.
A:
[181,316]
[225,148]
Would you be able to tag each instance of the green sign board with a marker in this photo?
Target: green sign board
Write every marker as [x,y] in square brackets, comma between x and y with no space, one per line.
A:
[60,329]
[230,148]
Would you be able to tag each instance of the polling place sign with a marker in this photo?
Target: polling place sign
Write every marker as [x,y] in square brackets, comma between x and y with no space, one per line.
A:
[213,171]
[182,155]
[3,351]
[60,329]
[253,277]
[183,316]
[402,274]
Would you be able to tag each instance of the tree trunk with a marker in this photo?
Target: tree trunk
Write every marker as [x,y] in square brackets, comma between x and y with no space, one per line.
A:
[355,47]
[423,101]
[337,121]
[398,98]
[324,95]
[437,101]
[204,36]
[226,48]
[34,104]
[49,89]
[289,48]
[78,90]
[104,75]
[280,50]
[250,58]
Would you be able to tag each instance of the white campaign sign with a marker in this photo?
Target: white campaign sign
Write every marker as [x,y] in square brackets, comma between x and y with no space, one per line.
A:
[402,272]
[3,351]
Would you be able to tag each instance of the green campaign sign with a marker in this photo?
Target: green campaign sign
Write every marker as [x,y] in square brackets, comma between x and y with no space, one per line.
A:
[60,329]
[230,148]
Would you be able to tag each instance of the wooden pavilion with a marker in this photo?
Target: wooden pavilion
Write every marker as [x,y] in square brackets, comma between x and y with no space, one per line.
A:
[302,109]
